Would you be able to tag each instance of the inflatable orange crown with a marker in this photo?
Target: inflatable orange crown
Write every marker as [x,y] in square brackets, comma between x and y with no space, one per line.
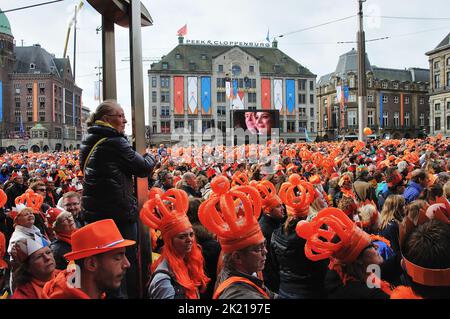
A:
[234,231]
[30,199]
[297,205]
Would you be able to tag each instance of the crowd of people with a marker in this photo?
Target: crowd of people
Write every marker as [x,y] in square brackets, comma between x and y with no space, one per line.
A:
[337,220]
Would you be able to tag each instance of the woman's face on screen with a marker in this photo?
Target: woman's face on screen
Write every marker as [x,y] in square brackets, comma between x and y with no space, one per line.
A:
[263,122]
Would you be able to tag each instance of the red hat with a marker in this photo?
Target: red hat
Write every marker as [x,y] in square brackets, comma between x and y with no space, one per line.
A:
[3,263]
[234,231]
[170,218]
[210,172]
[297,205]
[96,238]
[352,239]
[52,214]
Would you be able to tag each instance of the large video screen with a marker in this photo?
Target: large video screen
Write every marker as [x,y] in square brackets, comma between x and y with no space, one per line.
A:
[258,122]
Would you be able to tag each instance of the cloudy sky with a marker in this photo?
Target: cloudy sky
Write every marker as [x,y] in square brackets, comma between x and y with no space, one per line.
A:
[240,20]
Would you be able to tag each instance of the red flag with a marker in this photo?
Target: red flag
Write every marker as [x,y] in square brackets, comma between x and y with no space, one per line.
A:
[182,31]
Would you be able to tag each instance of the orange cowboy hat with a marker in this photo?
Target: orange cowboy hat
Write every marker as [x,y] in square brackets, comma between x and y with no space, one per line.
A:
[96,238]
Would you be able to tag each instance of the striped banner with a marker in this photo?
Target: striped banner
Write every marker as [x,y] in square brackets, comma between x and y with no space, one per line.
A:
[290,96]
[206,95]
[35,101]
[381,110]
[178,95]
[192,95]
[278,94]
[265,94]
[401,109]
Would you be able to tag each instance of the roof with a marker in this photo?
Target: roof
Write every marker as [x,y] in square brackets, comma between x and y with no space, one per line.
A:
[406,75]
[43,61]
[325,79]
[348,62]
[268,57]
[444,44]
[5,27]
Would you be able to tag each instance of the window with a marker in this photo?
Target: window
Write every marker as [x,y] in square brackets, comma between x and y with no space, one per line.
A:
[385,99]
[165,82]
[448,79]
[154,96]
[302,99]
[406,99]
[311,99]
[448,61]
[437,107]
[42,116]
[311,112]
[448,122]
[351,82]
[421,101]
[352,98]
[369,83]
[222,126]
[437,123]
[220,82]
[436,66]
[153,81]
[370,117]
[437,81]
[29,90]
[251,69]
[384,85]
[29,104]
[42,105]
[165,97]
[385,119]
[220,68]
[30,116]
[406,87]
[221,97]
[154,112]
[422,119]
[396,119]
[407,119]
[395,85]
[154,128]
[290,126]
[302,124]
[165,111]
[311,85]
[221,110]
[32,66]
[325,121]
[177,56]
[165,127]
[165,65]
[396,99]
[302,112]
[352,118]
[369,98]
[179,124]
[251,97]
[207,124]
[302,85]
[448,106]
[191,126]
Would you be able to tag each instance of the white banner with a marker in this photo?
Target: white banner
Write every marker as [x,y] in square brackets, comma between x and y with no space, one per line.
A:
[278,94]
[192,94]
[338,93]
[228,89]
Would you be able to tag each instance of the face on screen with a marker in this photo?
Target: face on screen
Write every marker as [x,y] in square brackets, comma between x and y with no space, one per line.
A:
[263,122]
[250,122]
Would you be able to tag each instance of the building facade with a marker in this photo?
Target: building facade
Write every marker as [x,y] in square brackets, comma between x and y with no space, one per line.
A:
[397,102]
[439,59]
[188,89]
[40,103]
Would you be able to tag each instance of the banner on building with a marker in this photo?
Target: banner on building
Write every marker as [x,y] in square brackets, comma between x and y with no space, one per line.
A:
[1,101]
[278,94]
[35,101]
[346,94]
[265,94]
[192,95]
[178,95]
[338,94]
[238,101]
[290,97]
[228,89]
[206,95]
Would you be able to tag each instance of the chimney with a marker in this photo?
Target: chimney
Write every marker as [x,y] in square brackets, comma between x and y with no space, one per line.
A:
[180,40]
[274,43]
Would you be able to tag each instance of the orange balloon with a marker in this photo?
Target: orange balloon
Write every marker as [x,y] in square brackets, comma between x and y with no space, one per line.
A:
[367,131]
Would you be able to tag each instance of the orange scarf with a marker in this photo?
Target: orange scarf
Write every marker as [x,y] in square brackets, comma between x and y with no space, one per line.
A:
[65,238]
[38,285]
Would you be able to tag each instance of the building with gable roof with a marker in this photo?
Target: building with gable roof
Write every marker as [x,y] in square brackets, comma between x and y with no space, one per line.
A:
[37,91]
[194,75]
[439,59]
[397,101]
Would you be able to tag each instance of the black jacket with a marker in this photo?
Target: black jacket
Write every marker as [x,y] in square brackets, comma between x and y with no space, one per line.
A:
[108,182]
[298,275]
[270,271]
[14,191]
[59,249]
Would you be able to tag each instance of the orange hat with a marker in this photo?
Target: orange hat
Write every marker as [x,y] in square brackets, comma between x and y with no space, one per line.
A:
[170,217]
[297,205]
[30,199]
[315,179]
[3,263]
[3,198]
[239,178]
[268,194]
[52,214]
[319,245]
[421,275]
[96,238]
[234,231]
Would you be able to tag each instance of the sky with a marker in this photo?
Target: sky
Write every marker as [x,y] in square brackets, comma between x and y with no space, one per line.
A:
[238,20]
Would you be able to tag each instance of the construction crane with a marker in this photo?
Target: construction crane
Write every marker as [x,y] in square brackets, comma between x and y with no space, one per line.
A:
[72,22]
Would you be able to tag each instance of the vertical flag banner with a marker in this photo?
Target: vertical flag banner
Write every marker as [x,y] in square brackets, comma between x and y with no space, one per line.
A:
[267,36]
[346,94]
[265,94]
[22,131]
[1,101]
[182,31]
[329,110]
[192,95]
[338,93]
[290,96]
[53,104]
[206,95]
[235,88]
[228,89]
[64,107]
[402,99]
[178,95]
[278,94]
[342,104]
[237,103]
[381,110]
[35,101]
